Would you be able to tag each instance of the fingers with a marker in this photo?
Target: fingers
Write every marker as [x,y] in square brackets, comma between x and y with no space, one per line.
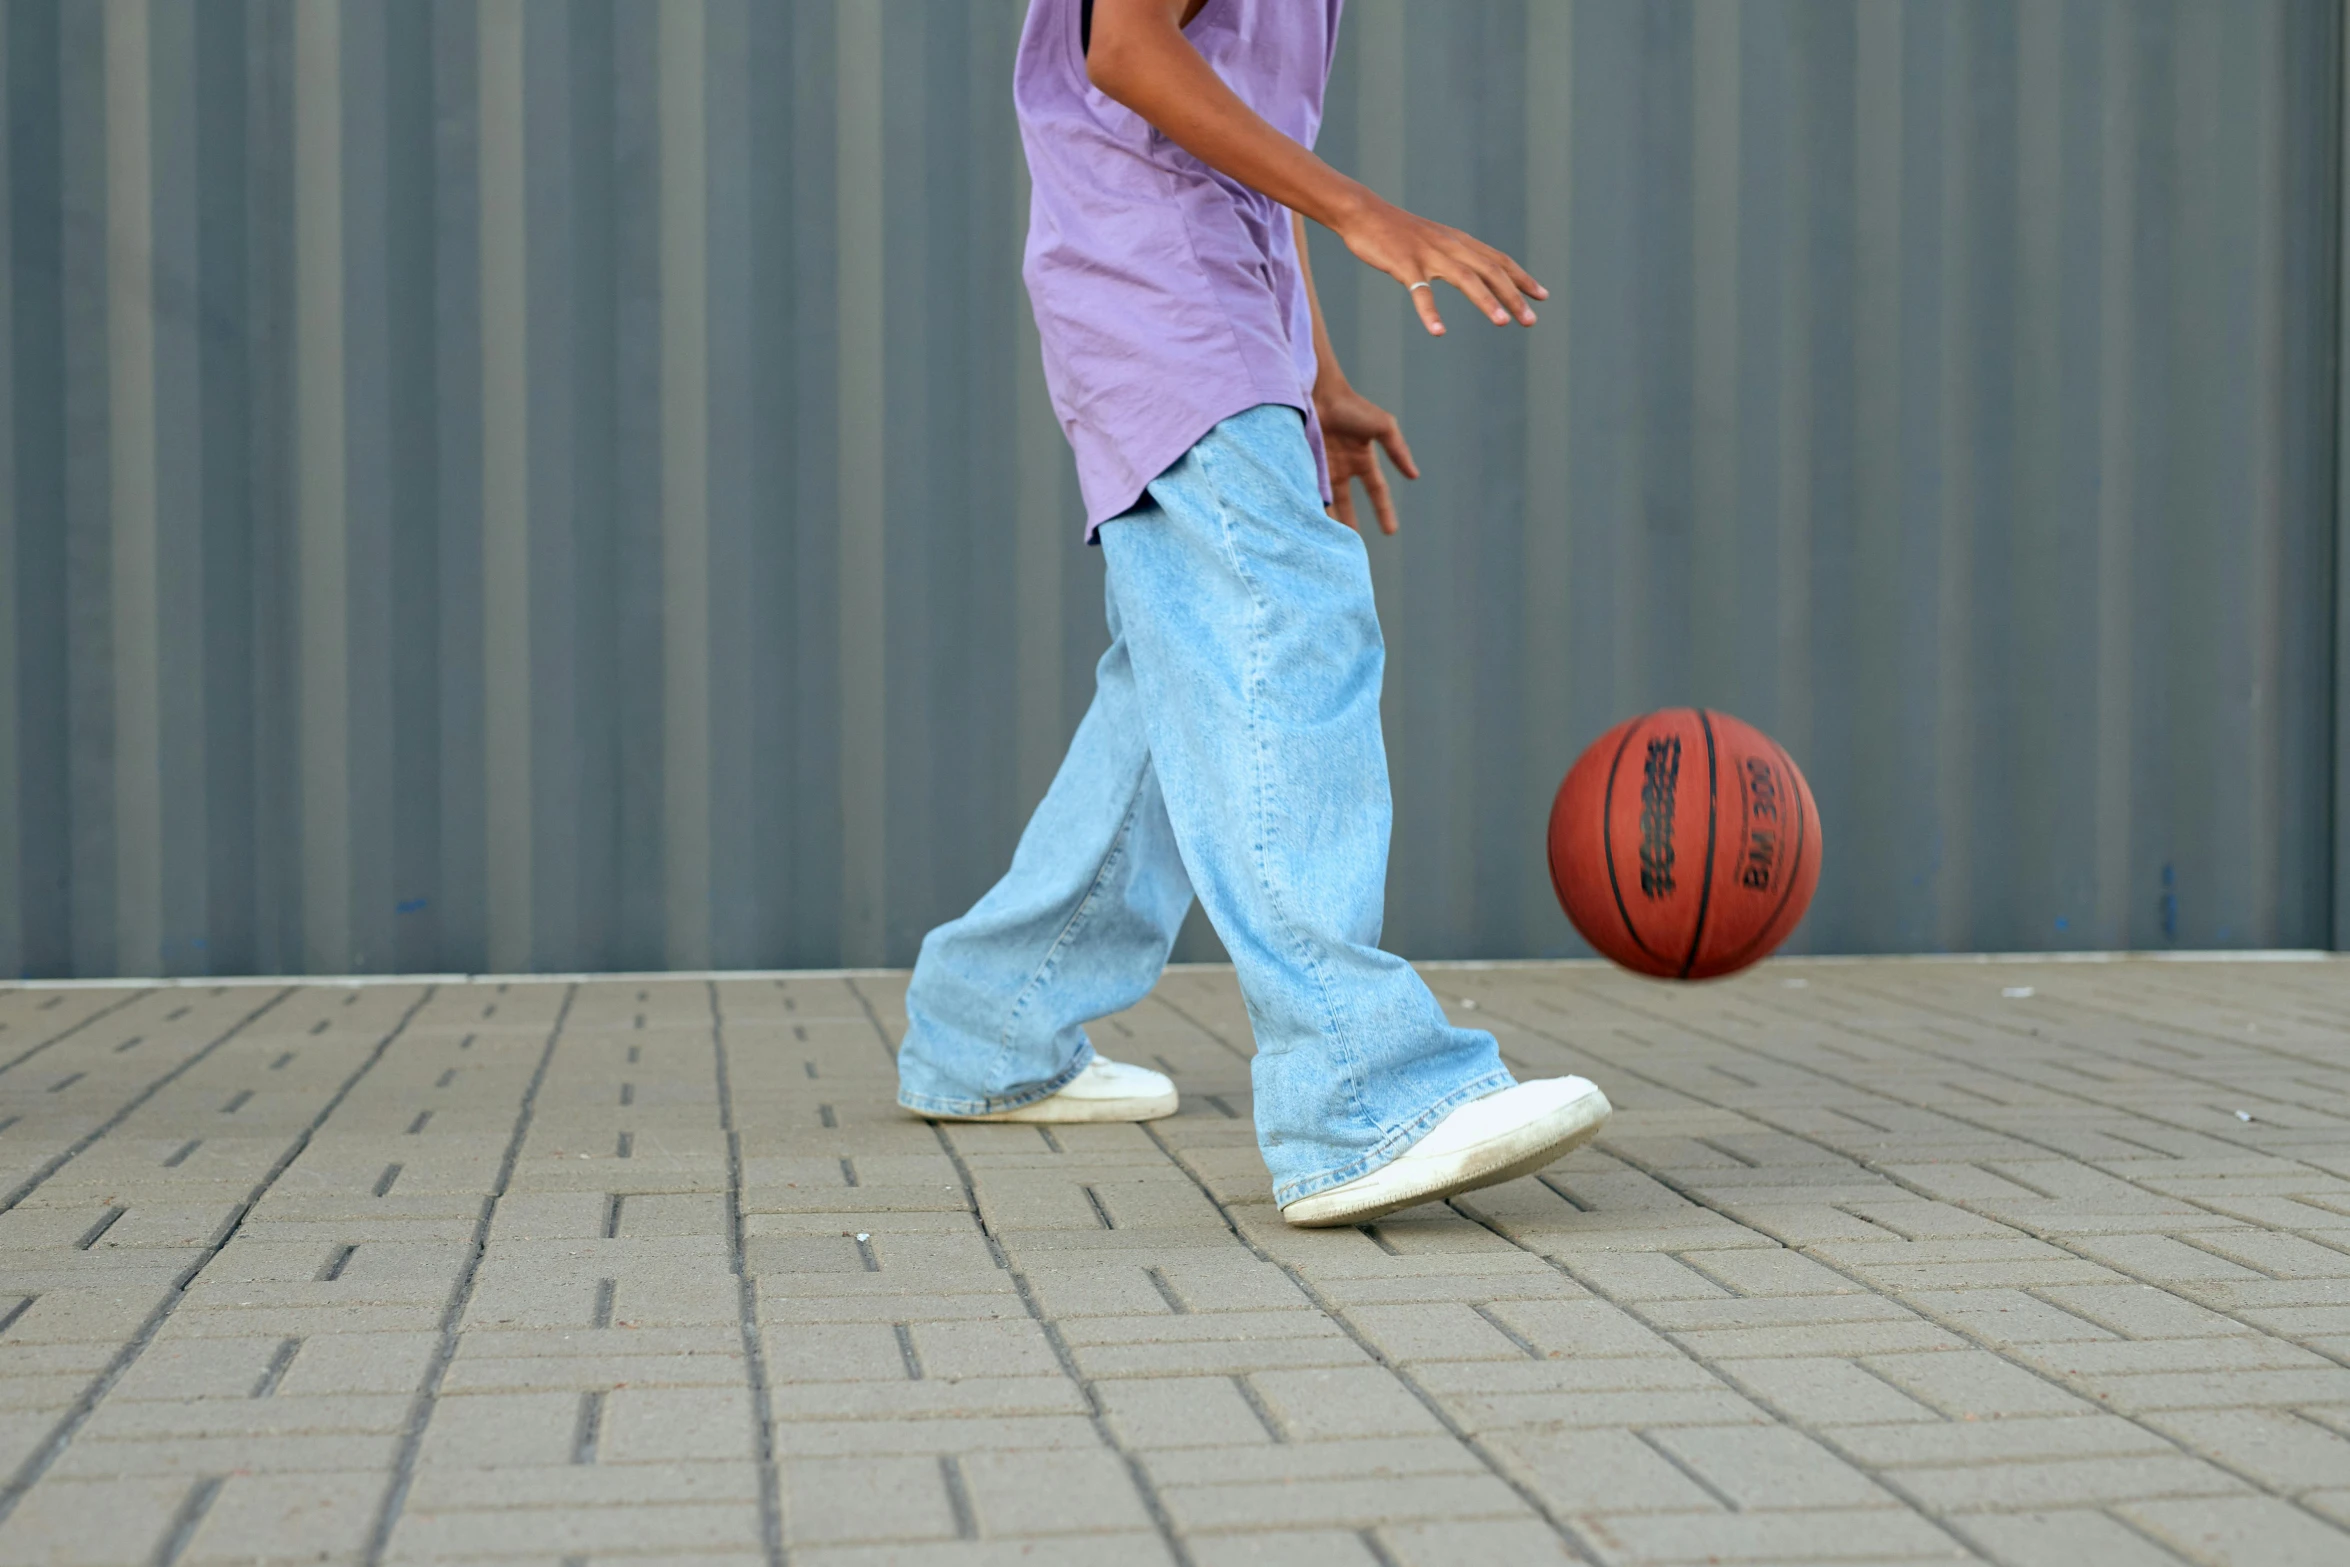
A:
[1399,452]
[1382,498]
[1492,282]
[1424,301]
[1524,279]
[1342,502]
[1475,289]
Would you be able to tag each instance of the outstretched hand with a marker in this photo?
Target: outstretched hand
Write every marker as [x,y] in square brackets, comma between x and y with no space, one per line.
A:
[1354,429]
[1419,254]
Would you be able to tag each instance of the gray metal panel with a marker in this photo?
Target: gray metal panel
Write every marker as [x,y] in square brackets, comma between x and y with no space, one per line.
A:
[589,500]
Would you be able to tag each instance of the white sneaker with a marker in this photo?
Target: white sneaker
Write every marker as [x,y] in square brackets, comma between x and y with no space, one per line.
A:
[1105,1091]
[1485,1142]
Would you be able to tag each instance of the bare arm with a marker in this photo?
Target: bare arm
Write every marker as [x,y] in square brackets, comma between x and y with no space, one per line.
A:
[1140,57]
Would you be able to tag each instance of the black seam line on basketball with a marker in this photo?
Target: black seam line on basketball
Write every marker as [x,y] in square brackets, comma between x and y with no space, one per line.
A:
[1136,1474]
[1607,838]
[1460,1434]
[1744,955]
[37,1462]
[746,1291]
[26,1187]
[1713,820]
[427,1398]
[1949,1324]
[1135,1471]
[30,1051]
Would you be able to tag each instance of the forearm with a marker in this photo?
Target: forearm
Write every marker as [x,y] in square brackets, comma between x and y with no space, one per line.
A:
[1327,375]
[1140,57]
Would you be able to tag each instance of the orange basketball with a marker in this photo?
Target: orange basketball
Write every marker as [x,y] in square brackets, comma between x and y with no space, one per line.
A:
[1685,844]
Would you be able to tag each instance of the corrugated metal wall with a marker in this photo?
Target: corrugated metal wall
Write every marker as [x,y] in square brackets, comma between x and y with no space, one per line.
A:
[566,483]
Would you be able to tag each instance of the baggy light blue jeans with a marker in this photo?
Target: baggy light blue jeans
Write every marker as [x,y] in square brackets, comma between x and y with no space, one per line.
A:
[1233,748]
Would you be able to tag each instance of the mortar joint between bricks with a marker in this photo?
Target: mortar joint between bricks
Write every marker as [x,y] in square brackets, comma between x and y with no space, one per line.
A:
[1411,1384]
[1137,1473]
[1666,1178]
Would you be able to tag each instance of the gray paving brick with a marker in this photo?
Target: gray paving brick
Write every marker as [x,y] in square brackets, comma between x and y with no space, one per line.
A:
[1214,1357]
[934,1434]
[1182,1412]
[2250,1531]
[2067,1482]
[1357,1503]
[1434,1331]
[2066,1538]
[2142,1311]
[1027,1494]
[1326,1403]
[286,1517]
[1088,1550]
[1287,1548]
[1827,1535]
[1602,1472]
[1975,1384]
[1373,1457]
[1768,1467]
[71,1522]
[867,1499]
[2275,1446]
[2016,1439]
[1821,1392]
[1491,1542]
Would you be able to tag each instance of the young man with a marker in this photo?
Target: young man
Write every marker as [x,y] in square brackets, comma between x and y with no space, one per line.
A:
[1233,746]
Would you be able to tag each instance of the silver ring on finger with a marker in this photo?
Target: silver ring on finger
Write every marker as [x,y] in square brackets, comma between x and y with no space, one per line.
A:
[1416,285]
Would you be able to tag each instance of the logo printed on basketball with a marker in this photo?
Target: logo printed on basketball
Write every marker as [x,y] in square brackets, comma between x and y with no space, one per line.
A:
[1657,787]
[1762,841]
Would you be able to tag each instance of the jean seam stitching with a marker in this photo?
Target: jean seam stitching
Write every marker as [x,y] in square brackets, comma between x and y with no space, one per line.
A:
[1340,1036]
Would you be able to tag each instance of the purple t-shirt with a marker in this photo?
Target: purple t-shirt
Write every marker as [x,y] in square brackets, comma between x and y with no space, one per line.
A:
[1168,296]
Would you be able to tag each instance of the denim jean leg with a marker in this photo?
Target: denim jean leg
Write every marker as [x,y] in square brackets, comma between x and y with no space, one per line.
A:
[1079,927]
[1256,650]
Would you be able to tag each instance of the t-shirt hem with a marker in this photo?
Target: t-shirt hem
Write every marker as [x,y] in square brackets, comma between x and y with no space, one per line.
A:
[1130,493]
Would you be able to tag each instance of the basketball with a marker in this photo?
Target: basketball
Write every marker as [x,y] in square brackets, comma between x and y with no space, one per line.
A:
[1684,844]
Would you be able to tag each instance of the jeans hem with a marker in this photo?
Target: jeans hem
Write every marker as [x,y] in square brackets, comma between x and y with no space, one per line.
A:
[931,1104]
[1393,1145]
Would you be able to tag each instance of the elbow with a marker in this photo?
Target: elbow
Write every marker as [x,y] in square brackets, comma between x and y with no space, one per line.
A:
[1107,68]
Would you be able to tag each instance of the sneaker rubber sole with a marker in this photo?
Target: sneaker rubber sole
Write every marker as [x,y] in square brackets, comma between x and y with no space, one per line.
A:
[1406,1183]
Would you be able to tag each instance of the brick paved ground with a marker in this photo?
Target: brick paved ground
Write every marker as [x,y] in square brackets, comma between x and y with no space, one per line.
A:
[1879,1262]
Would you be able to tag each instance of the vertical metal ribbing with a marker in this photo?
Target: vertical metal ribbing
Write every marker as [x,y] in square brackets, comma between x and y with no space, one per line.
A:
[1955,435]
[11,796]
[685,481]
[1883,762]
[1714,435]
[863,458]
[182,286]
[505,520]
[1548,534]
[2341,532]
[130,330]
[322,576]
[2261,70]
[2119,312]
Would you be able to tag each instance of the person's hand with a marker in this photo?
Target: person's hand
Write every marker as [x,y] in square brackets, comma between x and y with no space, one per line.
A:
[1420,254]
[1354,428]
